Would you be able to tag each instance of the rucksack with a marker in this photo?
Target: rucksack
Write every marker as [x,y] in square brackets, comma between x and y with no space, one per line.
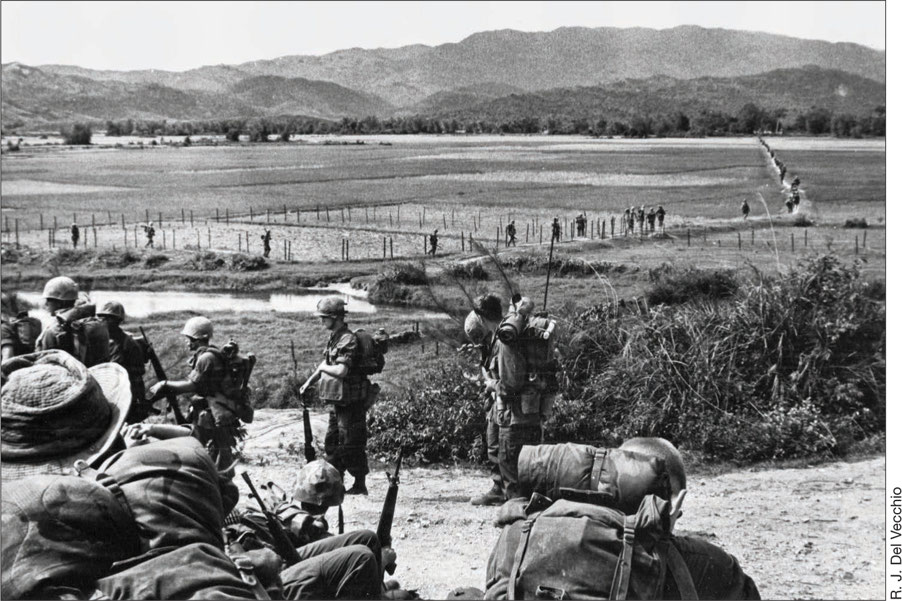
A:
[526,360]
[27,330]
[596,527]
[371,349]
[85,336]
[236,374]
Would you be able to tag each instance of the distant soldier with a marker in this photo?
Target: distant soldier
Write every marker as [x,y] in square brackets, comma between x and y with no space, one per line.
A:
[641,216]
[511,234]
[651,221]
[796,198]
[631,220]
[580,225]
[789,205]
[433,242]
[613,223]
[126,351]
[555,230]
[217,379]
[18,331]
[661,212]
[745,209]
[76,234]
[624,223]
[149,232]
[75,328]
[267,237]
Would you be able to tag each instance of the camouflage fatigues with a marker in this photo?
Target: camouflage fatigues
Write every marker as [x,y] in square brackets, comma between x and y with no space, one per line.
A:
[346,435]
[212,413]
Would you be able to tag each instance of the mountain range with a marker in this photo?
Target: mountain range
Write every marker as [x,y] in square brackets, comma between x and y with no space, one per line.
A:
[489,73]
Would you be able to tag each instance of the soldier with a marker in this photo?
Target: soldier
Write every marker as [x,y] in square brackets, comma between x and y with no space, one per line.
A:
[641,216]
[631,220]
[661,212]
[555,230]
[613,223]
[75,329]
[76,234]
[218,402]
[651,221]
[330,566]
[745,209]
[789,205]
[480,327]
[267,237]
[433,242]
[149,232]
[342,384]
[126,351]
[512,234]
[18,331]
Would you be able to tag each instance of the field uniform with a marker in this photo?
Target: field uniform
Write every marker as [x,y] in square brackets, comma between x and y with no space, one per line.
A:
[215,417]
[346,435]
[125,351]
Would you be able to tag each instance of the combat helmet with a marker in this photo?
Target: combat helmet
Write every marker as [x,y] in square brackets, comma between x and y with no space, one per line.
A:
[319,483]
[475,328]
[113,309]
[331,306]
[198,327]
[61,288]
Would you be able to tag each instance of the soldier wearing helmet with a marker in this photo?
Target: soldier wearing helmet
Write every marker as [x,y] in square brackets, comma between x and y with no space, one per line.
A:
[75,328]
[480,327]
[18,330]
[126,351]
[213,414]
[345,388]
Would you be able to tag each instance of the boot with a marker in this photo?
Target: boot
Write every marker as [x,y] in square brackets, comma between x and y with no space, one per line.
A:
[494,497]
[359,487]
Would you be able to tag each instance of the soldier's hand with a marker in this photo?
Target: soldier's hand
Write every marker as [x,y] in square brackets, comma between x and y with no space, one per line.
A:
[389,556]
[136,434]
[156,391]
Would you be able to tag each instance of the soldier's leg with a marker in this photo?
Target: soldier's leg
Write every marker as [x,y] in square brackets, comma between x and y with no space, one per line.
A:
[348,573]
[491,438]
[511,440]
[367,538]
[332,443]
[352,437]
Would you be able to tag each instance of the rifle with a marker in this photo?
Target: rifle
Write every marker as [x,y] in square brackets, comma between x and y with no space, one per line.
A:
[383,531]
[171,398]
[280,538]
[309,449]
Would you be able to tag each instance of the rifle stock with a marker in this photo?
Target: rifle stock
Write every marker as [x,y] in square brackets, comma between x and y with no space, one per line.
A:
[309,449]
[171,398]
[383,530]
[276,529]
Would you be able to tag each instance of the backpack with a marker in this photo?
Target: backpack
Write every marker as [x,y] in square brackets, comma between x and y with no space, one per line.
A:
[525,360]
[603,531]
[236,373]
[85,336]
[371,349]
[27,330]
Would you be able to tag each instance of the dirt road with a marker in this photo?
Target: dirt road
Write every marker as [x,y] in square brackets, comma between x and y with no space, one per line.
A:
[812,533]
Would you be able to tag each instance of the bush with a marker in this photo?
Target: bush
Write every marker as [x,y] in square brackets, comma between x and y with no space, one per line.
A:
[802,221]
[116,258]
[859,222]
[410,274]
[79,135]
[155,260]
[560,266]
[212,261]
[471,270]
[440,419]
[692,285]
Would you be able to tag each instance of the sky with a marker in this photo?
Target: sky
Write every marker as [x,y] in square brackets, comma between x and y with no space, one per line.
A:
[177,36]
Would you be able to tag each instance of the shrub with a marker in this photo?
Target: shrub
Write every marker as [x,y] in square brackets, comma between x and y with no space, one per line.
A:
[440,419]
[212,261]
[155,260]
[78,135]
[692,285]
[471,270]
[116,258]
[405,273]
[802,220]
[859,222]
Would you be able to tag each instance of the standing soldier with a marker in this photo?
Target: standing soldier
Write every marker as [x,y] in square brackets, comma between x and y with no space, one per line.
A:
[745,209]
[661,212]
[555,230]
[433,242]
[480,327]
[75,329]
[631,220]
[218,379]
[343,385]
[18,330]
[149,232]
[512,234]
[267,237]
[613,223]
[126,351]
[641,217]
[75,234]
[651,222]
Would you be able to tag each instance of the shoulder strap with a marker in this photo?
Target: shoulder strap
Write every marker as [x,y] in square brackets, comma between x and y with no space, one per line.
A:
[621,581]
[109,482]
[677,566]
[526,528]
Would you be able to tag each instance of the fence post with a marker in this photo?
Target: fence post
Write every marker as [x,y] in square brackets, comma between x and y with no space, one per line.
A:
[209,238]
[444,221]
[806,237]
[604,224]
[109,218]
[17,235]
[125,237]
[146,215]
[688,236]
[391,248]
[217,214]
[227,217]
[462,248]
[864,240]
[183,216]
[792,240]
[753,236]
[247,241]
[239,241]
[384,247]
[497,236]
[740,239]
[160,219]
[856,244]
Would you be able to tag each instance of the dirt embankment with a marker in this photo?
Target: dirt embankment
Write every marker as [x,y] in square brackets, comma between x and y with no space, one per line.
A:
[809,533]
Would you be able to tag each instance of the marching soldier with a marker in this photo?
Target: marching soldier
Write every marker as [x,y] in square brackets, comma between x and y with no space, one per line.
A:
[267,237]
[745,209]
[433,242]
[75,233]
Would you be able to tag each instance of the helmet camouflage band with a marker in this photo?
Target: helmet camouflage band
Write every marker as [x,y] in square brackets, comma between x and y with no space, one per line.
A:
[198,327]
[61,288]
[319,483]
[331,306]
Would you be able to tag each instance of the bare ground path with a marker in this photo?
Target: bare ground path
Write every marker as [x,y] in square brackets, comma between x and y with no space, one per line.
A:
[809,533]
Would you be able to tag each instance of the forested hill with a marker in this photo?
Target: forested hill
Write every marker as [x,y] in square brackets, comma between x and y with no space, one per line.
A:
[790,91]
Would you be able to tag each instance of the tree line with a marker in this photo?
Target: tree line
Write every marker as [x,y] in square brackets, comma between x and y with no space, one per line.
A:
[748,120]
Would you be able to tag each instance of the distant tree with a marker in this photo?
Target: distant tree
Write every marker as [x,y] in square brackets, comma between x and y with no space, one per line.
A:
[749,118]
[78,135]
[186,141]
[233,134]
